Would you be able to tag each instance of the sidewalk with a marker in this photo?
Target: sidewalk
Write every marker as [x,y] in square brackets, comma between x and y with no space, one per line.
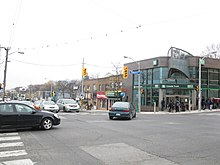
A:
[183,112]
[160,112]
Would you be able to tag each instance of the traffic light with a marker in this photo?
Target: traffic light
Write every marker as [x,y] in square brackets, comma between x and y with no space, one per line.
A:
[125,72]
[197,88]
[84,72]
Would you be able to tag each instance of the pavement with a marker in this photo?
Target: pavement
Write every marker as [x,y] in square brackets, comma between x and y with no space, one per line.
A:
[159,112]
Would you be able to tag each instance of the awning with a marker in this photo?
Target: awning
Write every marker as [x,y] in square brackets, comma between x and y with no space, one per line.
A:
[101,96]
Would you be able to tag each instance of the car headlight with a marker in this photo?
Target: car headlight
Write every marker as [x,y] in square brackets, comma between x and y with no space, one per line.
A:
[56,115]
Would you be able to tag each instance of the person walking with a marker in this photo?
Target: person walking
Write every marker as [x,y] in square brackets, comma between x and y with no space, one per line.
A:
[162,104]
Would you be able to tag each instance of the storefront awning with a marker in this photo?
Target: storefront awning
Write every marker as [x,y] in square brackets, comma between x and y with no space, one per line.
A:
[101,96]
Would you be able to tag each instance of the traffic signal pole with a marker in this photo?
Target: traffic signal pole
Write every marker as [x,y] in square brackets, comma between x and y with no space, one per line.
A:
[200,92]
[82,89]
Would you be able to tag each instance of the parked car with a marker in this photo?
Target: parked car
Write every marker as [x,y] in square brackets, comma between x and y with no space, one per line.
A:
[49,106]
[68,105]
[20,115]
[122,110]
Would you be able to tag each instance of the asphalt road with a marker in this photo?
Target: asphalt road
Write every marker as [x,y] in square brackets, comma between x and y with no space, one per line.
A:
[93,139]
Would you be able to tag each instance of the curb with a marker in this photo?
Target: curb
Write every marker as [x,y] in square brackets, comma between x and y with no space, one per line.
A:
[160,112]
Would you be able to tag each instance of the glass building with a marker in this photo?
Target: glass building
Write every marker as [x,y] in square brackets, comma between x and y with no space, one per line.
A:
[173,78]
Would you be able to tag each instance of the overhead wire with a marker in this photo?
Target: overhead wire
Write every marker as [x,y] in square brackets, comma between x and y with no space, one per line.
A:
[14,21]
[44,65]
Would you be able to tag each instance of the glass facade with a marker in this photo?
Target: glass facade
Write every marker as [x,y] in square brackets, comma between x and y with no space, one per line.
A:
[159,76]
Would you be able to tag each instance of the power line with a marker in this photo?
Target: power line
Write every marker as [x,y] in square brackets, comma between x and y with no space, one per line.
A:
[14,22]
[44,65]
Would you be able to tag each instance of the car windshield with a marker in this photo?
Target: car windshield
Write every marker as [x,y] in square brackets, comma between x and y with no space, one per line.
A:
[69,101]
[121,104]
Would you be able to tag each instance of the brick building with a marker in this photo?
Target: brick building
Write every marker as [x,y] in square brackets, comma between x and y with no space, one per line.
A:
[102,92]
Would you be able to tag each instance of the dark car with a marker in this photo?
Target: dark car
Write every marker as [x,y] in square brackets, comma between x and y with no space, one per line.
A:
[122,110]
[20,115]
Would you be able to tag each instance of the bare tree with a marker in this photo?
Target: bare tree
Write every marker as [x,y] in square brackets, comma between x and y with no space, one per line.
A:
[72,88]
[62,85]
[210,49]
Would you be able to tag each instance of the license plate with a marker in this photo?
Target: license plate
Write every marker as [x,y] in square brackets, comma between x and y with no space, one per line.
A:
[117,114]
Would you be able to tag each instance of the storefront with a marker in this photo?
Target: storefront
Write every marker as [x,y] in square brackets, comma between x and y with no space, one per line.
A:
[113,96]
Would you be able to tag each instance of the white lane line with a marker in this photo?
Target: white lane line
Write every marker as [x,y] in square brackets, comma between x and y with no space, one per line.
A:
[18,162]
[8,134]
[12,153]
[10,138]
[15,144]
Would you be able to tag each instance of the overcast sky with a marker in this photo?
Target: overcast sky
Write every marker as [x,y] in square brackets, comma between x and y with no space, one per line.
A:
[56,35]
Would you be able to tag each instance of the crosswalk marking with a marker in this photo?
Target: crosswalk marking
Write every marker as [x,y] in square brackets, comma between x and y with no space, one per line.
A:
[12,153]
[9,141]
[10,138]
[15,144]
[18,162]
[9,134]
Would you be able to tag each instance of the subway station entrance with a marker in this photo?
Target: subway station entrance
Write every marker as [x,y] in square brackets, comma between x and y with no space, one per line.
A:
[175,103]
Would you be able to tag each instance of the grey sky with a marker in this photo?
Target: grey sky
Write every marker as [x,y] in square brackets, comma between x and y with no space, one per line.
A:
[56,35]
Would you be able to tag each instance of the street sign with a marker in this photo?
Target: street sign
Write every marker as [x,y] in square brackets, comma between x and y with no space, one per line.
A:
[135,72]
[202,61]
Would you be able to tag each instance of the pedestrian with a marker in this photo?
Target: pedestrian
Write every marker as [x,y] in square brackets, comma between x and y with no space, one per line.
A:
[211,103]
[90,106]
[162,104]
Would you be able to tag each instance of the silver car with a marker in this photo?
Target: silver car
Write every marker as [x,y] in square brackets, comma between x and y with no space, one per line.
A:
[68,105]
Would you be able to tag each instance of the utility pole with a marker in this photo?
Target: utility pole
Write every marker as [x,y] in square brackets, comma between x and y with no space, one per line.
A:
[139,82]
[82,89]
[5,72]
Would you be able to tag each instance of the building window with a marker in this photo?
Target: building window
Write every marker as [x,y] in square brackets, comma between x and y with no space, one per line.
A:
[149,76]
[156,75]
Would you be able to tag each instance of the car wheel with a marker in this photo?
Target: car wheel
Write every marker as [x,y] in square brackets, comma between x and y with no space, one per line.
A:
[47,123]
[111,117]
[64,110]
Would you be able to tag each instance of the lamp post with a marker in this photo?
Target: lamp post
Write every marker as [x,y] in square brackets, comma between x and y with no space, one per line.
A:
[5,71]
[139,82]
[201,61]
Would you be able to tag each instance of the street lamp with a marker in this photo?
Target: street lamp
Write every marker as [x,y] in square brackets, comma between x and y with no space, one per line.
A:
[201,61]
[139,82]
[5,71]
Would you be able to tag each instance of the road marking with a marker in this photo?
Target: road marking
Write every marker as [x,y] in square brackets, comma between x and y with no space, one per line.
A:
[8,134]
[10,138]
[124,154]
[16,144]
[18,162]
[12,153]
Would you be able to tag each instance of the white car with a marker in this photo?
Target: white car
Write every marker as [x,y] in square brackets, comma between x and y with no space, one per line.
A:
[68,105]
[49,106]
